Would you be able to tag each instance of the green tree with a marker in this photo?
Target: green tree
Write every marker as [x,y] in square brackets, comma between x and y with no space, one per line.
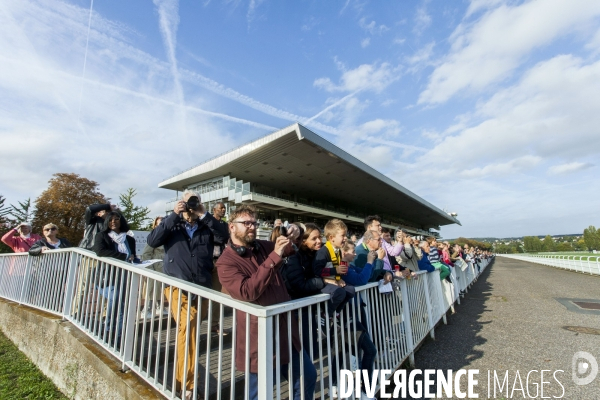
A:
[532,244]
[135,215]
[64,202]
[591,237]
[21,213]
[548,244]
[473,243]
[580,245]
[565,246]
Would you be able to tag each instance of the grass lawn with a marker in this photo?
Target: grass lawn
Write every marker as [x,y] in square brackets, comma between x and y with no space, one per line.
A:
[20,378]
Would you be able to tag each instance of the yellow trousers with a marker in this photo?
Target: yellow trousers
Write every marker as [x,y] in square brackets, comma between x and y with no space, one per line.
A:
[180,315]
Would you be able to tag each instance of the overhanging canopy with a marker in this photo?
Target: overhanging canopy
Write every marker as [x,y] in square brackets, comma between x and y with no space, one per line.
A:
[297,160]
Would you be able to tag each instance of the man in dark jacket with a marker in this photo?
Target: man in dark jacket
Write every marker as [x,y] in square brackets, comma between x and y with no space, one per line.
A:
[249,270]
[94,222]
[189,235]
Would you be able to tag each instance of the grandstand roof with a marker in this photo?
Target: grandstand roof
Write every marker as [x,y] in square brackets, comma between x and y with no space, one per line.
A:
[298,160]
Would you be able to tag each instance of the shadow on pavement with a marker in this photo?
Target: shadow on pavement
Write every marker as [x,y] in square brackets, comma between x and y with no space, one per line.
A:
[454,344]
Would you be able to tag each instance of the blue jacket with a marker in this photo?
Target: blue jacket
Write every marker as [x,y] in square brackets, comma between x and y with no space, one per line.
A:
[425,264]
[190,259]
[358,276]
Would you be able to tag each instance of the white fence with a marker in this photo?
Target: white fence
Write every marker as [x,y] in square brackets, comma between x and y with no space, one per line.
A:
[584,264]
[108,300]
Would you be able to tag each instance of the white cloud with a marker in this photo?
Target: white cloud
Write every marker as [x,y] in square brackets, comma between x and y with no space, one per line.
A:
[399,41]
[538,116]
[382,127]
[479,5]
[421,56]
[517,165]
[569,168]
[309,24]
[422,20]
[594,43]
[252,7]
[372,27]
[168,18]
[374,77]
[129,132]
[333,105]
[365,42]
[504,163]
[488,50]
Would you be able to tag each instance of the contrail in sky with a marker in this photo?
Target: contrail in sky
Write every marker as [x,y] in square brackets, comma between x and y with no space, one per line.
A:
[87,41]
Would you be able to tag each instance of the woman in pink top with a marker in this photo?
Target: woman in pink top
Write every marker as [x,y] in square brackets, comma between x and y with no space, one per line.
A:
[22,242]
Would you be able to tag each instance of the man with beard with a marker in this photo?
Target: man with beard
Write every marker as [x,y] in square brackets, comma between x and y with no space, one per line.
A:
[249,269]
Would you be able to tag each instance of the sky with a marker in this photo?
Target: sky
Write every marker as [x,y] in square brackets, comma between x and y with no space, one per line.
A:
[486,108]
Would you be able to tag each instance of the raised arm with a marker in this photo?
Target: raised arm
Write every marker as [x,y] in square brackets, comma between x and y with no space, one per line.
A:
[392,250]
[159,235]
[90,211]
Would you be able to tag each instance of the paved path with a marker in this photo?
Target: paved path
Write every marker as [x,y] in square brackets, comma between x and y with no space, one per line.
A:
[511,320]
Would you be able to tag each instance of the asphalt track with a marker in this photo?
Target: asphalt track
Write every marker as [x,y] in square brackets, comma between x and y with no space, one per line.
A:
[512,321]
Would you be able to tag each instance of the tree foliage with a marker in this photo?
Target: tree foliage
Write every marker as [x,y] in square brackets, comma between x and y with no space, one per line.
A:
[532,244]
[64,202]
[21,213]
[135,215]
[511,248]
[564,246]
[591,237]
[548,244]
[473,243]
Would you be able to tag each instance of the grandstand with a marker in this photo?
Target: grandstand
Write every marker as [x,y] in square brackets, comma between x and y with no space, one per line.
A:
[296,175]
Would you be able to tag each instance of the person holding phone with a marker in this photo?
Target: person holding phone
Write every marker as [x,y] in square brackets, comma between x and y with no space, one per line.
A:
[410,255]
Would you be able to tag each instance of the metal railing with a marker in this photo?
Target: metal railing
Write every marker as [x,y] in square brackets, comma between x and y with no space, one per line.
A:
[584,264]
[162,328]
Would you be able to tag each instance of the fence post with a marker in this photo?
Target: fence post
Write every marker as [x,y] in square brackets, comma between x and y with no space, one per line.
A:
[441,301]
[2,272]
[428,303]
[131,320]
[407,325]
[70,285]
[265,359]
[26,278]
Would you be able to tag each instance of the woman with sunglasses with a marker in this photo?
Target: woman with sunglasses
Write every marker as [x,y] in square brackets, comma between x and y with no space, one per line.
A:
[49,242]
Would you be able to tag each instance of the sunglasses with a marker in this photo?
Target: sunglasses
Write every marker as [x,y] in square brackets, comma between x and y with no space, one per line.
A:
[49,229]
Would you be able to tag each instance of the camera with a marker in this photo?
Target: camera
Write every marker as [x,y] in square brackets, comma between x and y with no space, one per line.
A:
[283,231]
[192,204]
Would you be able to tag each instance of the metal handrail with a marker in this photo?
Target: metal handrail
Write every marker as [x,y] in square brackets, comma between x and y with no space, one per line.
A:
[103,297]
[578,263]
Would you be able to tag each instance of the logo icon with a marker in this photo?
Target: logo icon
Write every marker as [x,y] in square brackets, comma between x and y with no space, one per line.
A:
[585,368]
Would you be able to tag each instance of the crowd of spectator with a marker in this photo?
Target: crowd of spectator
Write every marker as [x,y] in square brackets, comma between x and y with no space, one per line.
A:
[299,260]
